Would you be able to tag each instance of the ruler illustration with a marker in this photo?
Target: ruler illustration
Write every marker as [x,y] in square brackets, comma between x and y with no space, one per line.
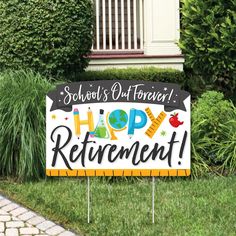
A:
[156,122]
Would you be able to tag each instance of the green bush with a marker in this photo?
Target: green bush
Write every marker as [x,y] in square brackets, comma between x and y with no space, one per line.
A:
[213,134]
[151,74]
[51,37]
[214,110]
[208,39]
[199,145]
[22,124]
[225,150]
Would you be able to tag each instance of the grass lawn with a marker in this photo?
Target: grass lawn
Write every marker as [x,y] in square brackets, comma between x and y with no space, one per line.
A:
[183,207]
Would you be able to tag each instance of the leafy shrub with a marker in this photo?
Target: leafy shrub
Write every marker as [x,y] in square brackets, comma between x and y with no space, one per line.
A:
[151,74]
[214,110]
[225,150]
[51,36]
[199,145]
[213,133]
[22,124]
[208,39]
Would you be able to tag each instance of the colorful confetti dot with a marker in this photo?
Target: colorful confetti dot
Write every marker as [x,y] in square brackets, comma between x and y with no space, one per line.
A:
[163,133]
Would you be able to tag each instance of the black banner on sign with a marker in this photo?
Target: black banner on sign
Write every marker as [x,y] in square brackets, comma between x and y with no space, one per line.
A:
[167,94]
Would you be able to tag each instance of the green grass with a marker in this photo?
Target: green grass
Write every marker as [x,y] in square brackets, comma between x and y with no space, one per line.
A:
[183,207]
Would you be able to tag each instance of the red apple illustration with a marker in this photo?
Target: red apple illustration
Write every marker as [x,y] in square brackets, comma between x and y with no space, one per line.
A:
[174,120]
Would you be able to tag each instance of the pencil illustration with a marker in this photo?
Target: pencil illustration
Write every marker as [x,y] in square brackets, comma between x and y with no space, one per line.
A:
[78,122]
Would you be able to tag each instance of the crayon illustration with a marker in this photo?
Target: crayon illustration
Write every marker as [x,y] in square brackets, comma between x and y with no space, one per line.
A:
[76,119]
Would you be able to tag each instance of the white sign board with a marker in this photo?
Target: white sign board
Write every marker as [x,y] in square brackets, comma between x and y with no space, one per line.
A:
[118,128]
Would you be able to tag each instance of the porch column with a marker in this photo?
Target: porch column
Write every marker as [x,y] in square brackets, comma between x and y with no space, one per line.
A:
[161,27]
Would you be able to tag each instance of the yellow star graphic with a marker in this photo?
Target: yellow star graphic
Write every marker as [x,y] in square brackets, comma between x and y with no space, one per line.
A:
[54,117]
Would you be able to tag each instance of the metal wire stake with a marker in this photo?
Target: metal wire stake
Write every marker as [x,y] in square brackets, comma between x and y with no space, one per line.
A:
[153,199]
[88,195]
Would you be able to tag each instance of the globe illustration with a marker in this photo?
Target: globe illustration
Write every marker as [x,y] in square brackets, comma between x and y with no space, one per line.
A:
[118,119]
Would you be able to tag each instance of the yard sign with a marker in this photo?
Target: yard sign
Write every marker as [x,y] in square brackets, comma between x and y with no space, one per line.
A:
[118,128]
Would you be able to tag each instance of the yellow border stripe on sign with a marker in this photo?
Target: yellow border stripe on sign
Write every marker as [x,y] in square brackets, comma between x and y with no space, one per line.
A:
[118,172]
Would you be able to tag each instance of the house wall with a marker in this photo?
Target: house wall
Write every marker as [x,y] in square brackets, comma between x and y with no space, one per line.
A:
[161,35]
[161,27]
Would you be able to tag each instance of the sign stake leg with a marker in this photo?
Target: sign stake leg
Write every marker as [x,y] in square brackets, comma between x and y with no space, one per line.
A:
[153,199]
[88,198]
